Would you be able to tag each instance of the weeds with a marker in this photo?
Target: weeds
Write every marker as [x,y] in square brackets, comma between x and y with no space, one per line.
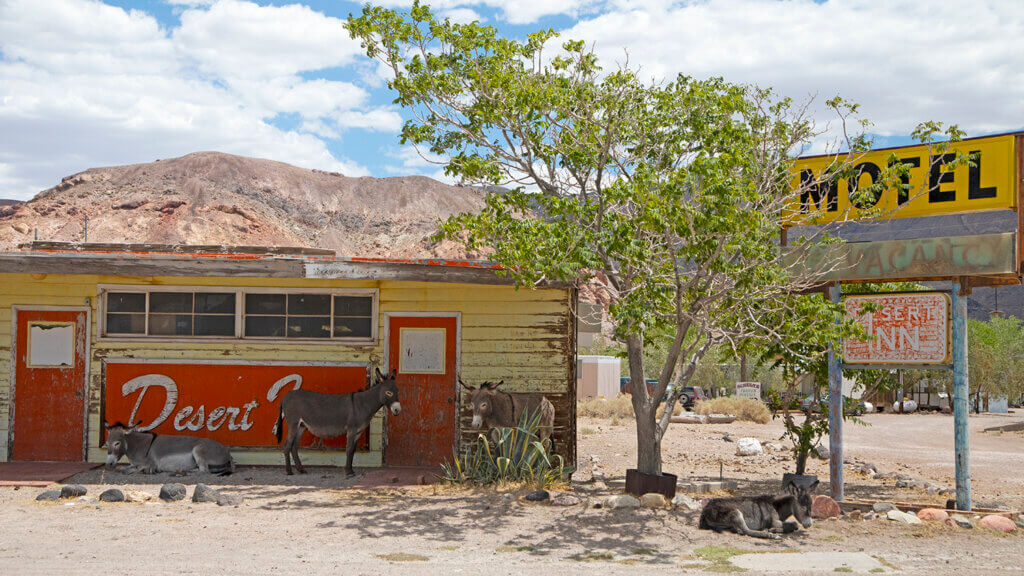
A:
[743,408]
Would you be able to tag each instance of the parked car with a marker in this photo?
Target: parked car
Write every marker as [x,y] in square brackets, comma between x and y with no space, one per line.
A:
[625,381]
[689,396]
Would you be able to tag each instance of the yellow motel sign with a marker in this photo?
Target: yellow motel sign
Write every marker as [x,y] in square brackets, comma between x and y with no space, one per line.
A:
[931,188]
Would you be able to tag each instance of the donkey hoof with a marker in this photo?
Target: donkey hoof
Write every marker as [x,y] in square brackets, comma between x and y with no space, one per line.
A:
[288,472]
[302,471]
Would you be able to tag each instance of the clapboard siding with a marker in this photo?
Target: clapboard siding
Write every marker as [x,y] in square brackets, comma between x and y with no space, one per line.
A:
[524,337]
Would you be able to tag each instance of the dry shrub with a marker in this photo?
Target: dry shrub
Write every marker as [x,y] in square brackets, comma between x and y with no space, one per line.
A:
[743,408]
[621,406]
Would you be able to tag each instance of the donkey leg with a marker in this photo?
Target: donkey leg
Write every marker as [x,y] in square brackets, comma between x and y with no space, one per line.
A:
[288,440]
[739,525]
[295,448]
[351,439]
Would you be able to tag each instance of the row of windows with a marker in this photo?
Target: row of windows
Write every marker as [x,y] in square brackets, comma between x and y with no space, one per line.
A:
[263,315]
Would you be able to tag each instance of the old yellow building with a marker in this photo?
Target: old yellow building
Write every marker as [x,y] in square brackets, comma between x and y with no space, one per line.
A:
[206,340]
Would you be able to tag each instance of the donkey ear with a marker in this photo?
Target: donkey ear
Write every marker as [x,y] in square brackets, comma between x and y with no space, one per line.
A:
[377,371]
[466,386]
[394,374]
[495,386]
[813,487]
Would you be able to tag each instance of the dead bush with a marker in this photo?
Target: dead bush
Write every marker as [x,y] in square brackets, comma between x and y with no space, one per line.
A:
[620,406]
[743,408]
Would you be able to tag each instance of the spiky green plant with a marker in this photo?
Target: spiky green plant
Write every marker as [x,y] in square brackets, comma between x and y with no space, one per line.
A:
[514,454]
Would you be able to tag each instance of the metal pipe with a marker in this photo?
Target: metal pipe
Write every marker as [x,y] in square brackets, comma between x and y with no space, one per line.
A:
[835,414]
[961,433]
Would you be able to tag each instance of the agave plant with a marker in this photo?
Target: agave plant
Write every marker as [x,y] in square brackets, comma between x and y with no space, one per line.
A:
[511,454]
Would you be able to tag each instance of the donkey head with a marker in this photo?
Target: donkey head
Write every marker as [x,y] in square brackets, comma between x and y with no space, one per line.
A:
[388,390]
[803,497]
[482,400]
[117,442]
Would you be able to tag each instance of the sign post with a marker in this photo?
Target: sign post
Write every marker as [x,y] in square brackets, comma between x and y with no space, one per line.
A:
[961,433]
[750,390]
[835,414]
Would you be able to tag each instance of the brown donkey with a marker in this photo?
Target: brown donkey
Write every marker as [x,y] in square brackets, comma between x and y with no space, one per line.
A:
[493,408]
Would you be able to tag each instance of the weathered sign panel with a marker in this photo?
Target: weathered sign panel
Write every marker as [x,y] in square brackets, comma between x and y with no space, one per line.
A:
[235,404]
[909,328]
[931,188]
[919,259]
[749,390]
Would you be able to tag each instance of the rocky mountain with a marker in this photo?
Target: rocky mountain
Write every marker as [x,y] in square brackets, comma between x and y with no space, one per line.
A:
[215,198]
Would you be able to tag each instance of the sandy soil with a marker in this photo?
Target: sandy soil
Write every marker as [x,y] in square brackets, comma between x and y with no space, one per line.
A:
[315,524]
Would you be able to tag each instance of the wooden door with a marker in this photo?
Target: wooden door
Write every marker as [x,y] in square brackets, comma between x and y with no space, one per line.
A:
[50,370]
[423,349]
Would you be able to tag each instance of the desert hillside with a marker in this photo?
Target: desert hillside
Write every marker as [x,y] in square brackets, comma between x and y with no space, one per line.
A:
[215,198]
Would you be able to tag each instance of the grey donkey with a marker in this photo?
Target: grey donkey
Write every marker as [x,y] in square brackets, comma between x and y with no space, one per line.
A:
[332,415]
[493,408]
[759,516]
[150,453]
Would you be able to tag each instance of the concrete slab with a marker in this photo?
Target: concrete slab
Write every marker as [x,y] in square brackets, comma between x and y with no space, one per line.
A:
[40,473]
[813,562]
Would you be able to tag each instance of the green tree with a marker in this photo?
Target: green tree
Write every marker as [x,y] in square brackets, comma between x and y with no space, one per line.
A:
[672,194]
[996,358]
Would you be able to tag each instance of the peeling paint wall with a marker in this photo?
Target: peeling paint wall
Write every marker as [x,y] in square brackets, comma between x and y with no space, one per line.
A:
[525,337]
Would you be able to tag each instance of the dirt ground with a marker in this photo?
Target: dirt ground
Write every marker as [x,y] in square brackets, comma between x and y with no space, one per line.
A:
[319,524]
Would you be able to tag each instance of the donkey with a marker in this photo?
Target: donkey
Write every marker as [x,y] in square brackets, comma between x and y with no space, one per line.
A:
[759,516]
[332,415]
[494,408]
[149,452]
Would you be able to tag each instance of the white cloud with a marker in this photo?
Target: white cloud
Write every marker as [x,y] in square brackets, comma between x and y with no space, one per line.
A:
[512,11]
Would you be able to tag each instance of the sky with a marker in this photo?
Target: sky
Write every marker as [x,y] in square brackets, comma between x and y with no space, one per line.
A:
[88,83]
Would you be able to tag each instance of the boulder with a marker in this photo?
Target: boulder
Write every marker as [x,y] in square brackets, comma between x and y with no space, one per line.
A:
[822,452]
[112,495]
[961,521]
[902,517]
[229,500]
[72,491]
[565,499]
[137,496]
[855,515]
[997,522]
[49,496]
[883,507]
[204,493]
[748,447]
[622,501]
[538,496]
[684,501]
[172,492]
[932,514]
[508,497]
[654,500]
[824,507]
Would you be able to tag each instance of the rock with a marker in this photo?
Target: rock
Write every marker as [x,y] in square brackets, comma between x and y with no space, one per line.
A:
[49,496]
[869,468]
[824,507]
[883,507]
[229,500]
[854,515]
[885,476]
[137,496]
[821,452]
[931,488]
[748,447]
[204,493]
[997,505]
[622,501]
[727,437]
[538,496]
[172,492]
[946,491]
[997,522]
[654,500]
[508,497]
[961,521]
[684,501]
[932,514]
[773,446]
[565,499]
[72,491]
[112,495]
[902,517]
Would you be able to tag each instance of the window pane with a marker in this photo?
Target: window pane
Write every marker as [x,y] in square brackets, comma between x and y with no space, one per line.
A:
[309,304]
[215,303]
[126,323]
[353,306]
[352,328]
[170,302]
[309,326]
[170,324]
[126,302]
[264,304]
[215,325]
[264,326]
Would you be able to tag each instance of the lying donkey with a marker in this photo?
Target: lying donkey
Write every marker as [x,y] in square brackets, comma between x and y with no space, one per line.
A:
[493,408]
[759,516]
[332,415]
[149,452]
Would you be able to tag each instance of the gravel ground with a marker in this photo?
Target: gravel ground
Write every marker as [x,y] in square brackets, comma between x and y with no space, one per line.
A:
[316,524]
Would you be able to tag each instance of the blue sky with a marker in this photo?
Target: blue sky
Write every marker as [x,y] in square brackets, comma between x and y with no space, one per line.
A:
[87,83]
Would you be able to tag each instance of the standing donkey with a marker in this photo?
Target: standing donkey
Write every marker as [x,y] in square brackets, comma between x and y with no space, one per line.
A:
[332,415]
[495,408]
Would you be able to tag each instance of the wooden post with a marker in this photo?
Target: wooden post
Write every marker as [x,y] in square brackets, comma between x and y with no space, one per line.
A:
[835,414]
[961,433]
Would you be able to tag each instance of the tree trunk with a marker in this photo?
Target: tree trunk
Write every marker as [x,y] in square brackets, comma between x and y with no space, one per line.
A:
[743,367]
[801,462]
[648,441]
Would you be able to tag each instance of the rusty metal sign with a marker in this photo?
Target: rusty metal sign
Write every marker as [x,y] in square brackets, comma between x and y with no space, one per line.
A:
[910,328]
[907,260]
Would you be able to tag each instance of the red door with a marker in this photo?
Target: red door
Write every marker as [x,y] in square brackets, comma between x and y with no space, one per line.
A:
[423,350]
[49,385]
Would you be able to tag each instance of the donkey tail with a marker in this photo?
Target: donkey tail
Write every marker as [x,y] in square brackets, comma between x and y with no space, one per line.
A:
[277,425]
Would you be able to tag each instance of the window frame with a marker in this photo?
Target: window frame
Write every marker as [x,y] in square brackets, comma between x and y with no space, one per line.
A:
[239,336]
